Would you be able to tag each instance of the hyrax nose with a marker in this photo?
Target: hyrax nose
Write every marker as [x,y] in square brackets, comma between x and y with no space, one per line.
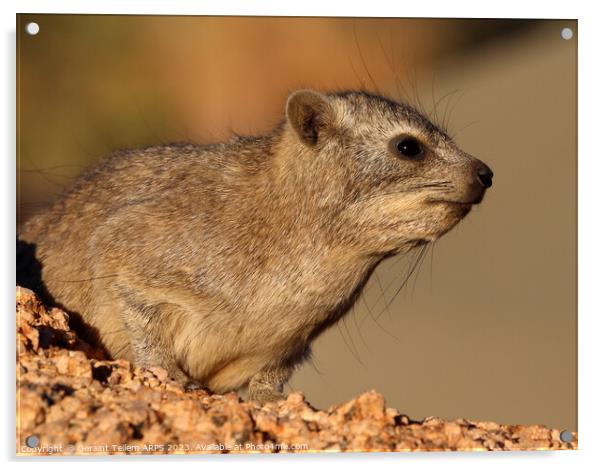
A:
[484,175]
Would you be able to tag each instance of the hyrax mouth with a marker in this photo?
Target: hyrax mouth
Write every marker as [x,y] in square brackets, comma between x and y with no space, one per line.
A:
[453,202]
[473,199]
[456,209]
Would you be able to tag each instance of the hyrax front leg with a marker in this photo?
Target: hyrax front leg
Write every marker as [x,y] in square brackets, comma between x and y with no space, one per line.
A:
[267,385]
[146,327]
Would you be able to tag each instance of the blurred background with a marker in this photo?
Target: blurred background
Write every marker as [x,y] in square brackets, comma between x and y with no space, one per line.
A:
[486,328]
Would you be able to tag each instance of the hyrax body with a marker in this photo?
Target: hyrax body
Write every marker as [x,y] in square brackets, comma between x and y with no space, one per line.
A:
[222,263]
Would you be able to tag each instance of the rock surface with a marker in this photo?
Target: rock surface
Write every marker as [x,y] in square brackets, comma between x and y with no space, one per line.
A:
[72,400]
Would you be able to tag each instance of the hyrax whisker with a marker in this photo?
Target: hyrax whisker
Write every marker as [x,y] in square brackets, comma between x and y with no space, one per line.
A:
[353,351]
[411,271]
[359,50]
[353,314]
[411,257]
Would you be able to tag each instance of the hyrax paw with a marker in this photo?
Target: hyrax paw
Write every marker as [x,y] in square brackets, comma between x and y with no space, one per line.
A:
[192,386]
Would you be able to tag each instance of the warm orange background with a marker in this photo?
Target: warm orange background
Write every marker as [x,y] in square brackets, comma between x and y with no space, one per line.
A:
[487,329]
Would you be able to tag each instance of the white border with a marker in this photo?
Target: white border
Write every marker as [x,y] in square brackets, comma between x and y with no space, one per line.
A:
[590,174]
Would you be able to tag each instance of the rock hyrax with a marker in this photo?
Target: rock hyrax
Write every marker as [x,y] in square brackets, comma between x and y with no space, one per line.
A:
[222,263]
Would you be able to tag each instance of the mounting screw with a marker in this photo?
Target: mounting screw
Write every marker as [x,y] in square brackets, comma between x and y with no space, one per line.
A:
[566,33]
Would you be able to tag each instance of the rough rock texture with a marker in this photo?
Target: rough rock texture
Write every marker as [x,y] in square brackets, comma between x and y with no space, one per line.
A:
[72,400]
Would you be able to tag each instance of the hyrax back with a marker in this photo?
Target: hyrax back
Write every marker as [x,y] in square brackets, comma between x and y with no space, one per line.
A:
[223,262]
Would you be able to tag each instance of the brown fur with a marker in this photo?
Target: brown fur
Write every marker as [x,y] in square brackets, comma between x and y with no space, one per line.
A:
[223,262]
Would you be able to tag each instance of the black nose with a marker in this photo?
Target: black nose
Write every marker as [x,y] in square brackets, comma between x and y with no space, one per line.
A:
[485,175]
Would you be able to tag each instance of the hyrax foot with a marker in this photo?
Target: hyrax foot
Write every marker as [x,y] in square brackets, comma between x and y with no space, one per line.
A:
[192,386]
[267,385]
[188,384]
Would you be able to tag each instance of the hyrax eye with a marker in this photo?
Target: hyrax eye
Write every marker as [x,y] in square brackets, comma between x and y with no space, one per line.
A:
[409,147]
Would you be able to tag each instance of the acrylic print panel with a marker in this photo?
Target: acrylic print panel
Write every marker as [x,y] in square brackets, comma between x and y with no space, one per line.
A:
[242,234]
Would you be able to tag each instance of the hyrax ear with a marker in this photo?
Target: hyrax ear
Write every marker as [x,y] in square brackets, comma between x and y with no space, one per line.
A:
[309,114]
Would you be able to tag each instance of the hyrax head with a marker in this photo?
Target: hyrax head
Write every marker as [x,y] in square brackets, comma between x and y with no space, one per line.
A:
[406,182]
